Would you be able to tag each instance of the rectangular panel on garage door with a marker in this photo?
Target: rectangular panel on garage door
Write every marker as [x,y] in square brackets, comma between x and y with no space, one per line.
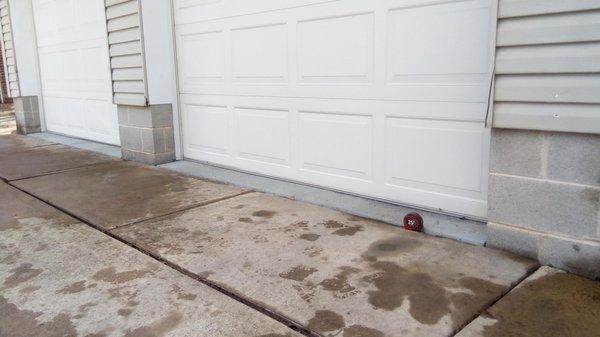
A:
[74,69]
[381,98]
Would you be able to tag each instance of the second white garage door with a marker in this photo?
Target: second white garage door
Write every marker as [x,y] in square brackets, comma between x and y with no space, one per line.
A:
[74,70]
[382,98]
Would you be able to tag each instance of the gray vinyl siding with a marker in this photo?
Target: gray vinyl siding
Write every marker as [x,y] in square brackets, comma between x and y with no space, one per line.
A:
[126,51]
[12,80]
[548,65]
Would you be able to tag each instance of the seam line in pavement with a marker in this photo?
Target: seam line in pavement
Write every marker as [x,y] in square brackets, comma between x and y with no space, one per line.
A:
[506,292]
[61,171]
[187,208]
[291,324]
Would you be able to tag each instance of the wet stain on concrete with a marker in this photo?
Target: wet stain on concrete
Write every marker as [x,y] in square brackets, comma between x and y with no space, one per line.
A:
[23,323]
[305,291]
[309,237]
[326,320]
[264,214]
[158,328]
[73,288]
[332,224]
[206,274]
[339,283]
[300,224]
[41,247]
[298,273]
[238,206]
[313,251]
[482,293]
[554,305]
[428,301]
[8,222]
[11,258]
[246,220]
[390,247]
[125,312]
[21,274]
[186,296]
[29,289]
[111,276]
[181,294]
[348,231]
[361,331]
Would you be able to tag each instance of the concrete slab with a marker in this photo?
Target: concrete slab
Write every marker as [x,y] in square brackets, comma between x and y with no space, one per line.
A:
[550,303]
[336,274]
[43,160]
[12,143]
[109,150]
[122,193]
[62,278]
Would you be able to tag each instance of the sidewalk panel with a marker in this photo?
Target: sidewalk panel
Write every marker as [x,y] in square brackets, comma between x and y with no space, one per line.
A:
[121,193]
[62,278]
[334,273]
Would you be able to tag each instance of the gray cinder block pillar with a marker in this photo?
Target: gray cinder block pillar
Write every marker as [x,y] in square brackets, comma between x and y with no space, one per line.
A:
[544,198]
[27,114]
[147,133]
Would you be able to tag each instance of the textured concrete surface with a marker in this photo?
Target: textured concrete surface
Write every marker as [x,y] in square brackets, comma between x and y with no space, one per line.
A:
[62,278]
[334,273]
[550,303]
[121,193]
[43,160]
[15,143]
[436,224]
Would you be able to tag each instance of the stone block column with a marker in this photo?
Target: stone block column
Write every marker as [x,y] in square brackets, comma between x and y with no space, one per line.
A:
[144,89]
[24,86]
[544,197]
[147,133]
[27,114]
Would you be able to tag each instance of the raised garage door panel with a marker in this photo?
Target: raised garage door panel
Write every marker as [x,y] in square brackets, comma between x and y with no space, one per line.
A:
[385,99]
[74,69]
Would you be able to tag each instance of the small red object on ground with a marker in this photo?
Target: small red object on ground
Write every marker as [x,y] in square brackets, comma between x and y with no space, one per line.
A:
[413,222]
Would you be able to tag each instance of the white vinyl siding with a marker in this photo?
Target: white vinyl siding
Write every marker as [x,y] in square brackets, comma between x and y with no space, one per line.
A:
[548,65]
[12,80]
[126,52]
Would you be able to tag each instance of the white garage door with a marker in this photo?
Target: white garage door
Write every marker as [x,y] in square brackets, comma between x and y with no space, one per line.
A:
[382,98]
[74,69]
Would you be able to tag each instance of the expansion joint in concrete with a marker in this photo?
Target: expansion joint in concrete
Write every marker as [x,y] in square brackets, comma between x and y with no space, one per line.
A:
[183,210]
[293,325]
[523,277]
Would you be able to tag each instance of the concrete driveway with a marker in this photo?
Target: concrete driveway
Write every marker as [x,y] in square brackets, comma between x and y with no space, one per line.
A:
[93,246]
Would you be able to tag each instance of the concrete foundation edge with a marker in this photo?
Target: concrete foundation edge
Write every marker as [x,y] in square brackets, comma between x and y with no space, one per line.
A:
[581,257]
[468,231]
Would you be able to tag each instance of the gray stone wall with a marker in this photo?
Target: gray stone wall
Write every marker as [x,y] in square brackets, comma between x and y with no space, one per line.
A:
[27,114]
[147,133]
[544,197]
